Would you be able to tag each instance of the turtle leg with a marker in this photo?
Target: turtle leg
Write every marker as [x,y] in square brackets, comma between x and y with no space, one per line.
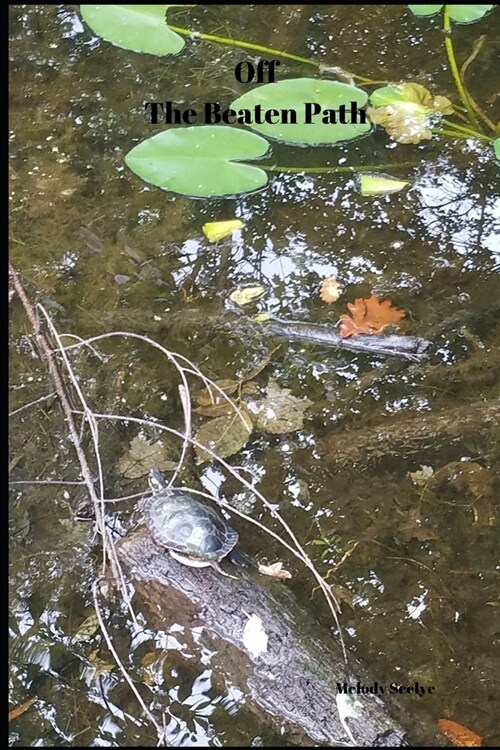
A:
[218,568]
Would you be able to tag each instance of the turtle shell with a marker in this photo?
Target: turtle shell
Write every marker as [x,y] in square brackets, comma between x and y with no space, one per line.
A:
[178,521]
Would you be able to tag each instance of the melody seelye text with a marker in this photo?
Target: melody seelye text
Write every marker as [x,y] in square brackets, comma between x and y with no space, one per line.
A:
[212,113]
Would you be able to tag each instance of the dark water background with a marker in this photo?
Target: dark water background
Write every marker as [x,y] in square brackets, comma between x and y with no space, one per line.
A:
[102,251]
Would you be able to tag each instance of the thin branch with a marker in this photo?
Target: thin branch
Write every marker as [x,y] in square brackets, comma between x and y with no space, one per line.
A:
[47,481]
[32,403]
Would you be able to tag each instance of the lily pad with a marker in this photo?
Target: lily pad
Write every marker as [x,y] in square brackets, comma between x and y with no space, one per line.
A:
[458,13]
[279,412]
[414,93]
[200,161]
[302,96]
[224,435]
[405,111]
[141,28]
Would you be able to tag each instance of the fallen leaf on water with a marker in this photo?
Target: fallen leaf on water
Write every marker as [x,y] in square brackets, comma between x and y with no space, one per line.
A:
[330,290]
[142,456]
[152,667]
[247,294]
[369,315]
[458,734]
[224,435]
[279,412]
[415,527]
[219,409]
[275,570]
[378,184]
[475,478]
[421,476]
[217,230]
[472,479]
[20,710]
[211,396]
[87,629]
[98,665]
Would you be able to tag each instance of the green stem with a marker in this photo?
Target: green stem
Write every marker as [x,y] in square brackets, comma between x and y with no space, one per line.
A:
[454,68]
[457,134]
[259,48]
[330,170]
[461,128]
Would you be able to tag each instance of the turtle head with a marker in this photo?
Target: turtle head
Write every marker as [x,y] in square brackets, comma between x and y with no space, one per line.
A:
[156,480]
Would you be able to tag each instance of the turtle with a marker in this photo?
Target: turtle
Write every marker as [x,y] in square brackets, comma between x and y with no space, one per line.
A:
[193,533]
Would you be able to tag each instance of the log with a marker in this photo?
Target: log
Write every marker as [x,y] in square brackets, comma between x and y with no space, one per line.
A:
[293,685]
[411,438]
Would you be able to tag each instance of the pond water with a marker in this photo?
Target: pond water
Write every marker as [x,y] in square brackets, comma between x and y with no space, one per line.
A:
[412,553]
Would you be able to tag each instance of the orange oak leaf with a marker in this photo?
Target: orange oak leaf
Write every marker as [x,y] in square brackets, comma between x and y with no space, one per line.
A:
[330,290]
[369,315]
[458,734]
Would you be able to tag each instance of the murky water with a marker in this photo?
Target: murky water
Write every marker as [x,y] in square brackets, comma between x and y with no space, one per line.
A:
[416,561]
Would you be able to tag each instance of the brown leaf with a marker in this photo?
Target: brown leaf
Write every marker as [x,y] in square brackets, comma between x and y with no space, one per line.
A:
[20,710]
[224,435]
[415,528]
[278,412]
[369,315]
[212,396]
[217,410]
[458,734]
[330,290]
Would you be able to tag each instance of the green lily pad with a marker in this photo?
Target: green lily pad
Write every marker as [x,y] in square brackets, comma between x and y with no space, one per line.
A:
[425,10]
[496,148]
[200,161]
[468,13]
[411,93]
[458,13]
[300,96]
[141,28]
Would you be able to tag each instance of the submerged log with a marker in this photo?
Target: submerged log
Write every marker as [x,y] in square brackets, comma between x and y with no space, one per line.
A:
[294,684]
[411,437]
